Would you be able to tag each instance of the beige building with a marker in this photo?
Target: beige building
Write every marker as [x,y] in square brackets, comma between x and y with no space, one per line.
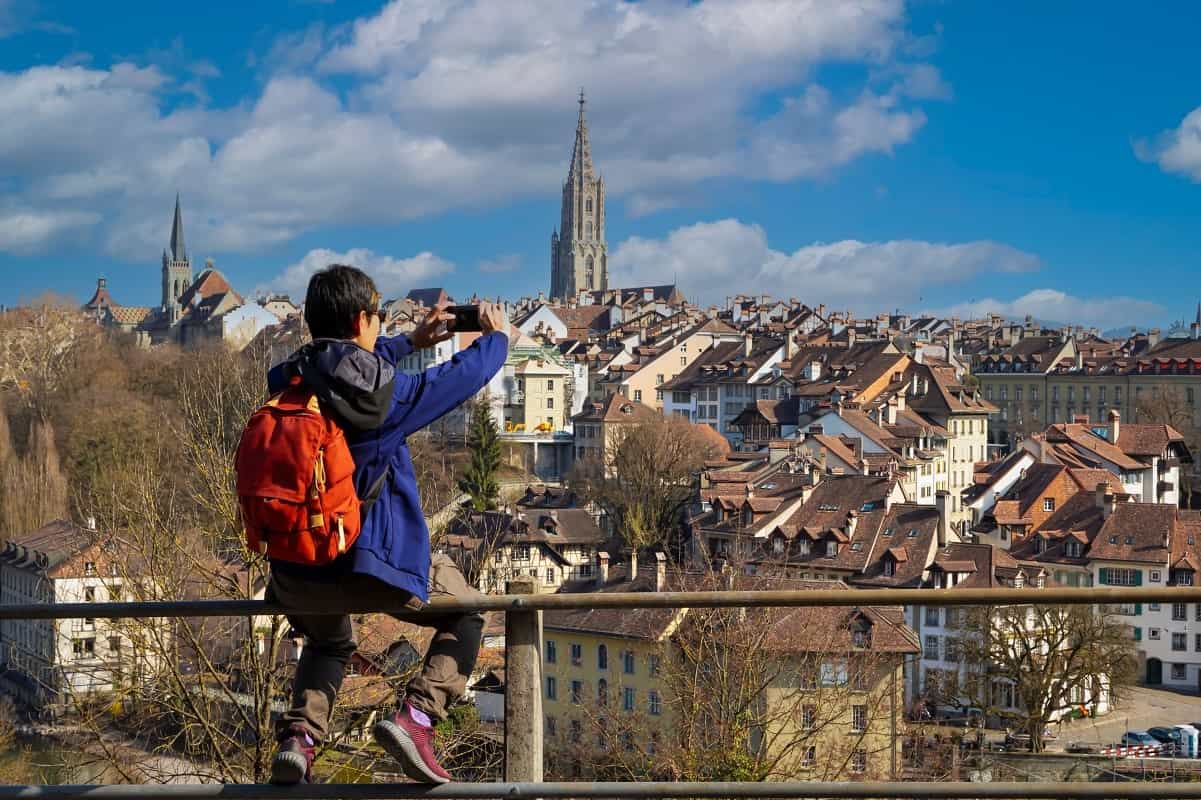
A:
[596,428]
[641,379]
[540,402]
[620,697]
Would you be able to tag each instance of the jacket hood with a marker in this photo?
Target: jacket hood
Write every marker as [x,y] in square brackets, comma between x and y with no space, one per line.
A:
[355,385]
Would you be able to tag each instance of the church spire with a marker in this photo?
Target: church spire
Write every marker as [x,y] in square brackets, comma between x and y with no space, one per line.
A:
[581,153]
[178,251]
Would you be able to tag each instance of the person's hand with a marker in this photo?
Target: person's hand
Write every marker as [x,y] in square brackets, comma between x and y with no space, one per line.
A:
[492,318]
[433,329]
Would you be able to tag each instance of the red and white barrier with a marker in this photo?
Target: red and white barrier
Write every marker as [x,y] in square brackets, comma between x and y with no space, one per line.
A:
[1132,751]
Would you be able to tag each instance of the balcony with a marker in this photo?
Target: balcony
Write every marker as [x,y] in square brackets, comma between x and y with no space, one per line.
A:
[523,735]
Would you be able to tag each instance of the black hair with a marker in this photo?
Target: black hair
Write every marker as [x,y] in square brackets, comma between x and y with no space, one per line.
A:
[334,299]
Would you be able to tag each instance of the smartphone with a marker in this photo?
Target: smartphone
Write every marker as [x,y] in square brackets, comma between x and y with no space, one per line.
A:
[467,318]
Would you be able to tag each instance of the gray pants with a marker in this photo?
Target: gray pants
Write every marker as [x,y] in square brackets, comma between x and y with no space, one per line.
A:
[330,643]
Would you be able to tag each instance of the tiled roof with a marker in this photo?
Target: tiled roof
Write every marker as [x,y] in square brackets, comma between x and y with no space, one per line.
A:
[1138,532]
[1147,440]
[129,315]
[1082,436]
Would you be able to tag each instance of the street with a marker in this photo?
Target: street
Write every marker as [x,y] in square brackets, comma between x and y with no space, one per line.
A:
[1141,709]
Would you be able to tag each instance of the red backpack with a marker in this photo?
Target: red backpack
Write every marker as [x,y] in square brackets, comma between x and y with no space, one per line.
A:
[295,477]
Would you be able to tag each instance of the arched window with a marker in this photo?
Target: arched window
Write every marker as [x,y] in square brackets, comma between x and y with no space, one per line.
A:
[602,657]
[588,229]
[588,205]
[602,692]
[589,263]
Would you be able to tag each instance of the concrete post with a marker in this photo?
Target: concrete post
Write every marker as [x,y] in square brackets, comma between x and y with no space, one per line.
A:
[523,689]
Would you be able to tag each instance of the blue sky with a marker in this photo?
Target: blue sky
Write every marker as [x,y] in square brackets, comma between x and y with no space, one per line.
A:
[956,157]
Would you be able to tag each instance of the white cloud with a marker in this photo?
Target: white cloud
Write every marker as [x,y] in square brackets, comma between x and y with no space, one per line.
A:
[1176,150]
[1056,306]
[431,105]
[29,230]
[709,258]
[393,276]
[505,263]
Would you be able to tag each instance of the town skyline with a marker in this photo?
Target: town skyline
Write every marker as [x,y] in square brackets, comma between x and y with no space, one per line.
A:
[884,147]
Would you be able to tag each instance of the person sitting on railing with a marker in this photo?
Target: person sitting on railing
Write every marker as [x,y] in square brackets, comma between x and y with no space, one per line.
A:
[389,565]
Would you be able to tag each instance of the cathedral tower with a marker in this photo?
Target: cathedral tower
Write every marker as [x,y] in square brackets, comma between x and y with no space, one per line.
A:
[177,268]
[578,255]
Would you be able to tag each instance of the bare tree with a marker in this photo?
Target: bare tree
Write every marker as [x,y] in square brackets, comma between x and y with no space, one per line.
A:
[1171,406]
[646,477]
[1054,658]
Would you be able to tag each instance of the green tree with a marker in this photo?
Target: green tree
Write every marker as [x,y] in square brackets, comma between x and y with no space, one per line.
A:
[483,443]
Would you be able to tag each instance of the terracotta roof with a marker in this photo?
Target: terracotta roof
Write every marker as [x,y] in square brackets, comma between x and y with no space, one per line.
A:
[129,315]
[579,319]
[1139,532]
[1147,440]
[1082,436]
[617,408]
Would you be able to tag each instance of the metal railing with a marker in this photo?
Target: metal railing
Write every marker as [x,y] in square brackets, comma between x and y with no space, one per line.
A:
[523,696]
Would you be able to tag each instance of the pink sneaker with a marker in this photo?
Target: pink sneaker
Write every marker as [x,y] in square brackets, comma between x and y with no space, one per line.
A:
[293,762]
[412,744]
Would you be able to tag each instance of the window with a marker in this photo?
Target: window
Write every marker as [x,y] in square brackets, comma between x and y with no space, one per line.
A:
[552,688]
[84,647]
[89,594]
[890,568]
[1184,577]
[551,651]
[808,756]
[114,644]
[1197,642]
[1179,671]
[521,552]
[577,691]
[602,657]
[777,544]
[931,648]
[1113,576]
[1153,633]
[627,662]
[834,673]
[602,692]
[1154,573]
[550,401]
[653,661]
[550,576]
[576,730]
[808,717]
[89,568]
[1179,642]
[952,650]
[1179,611]
[655,704]
[577,654]
[628,699]
[1048,504]
[859,760]
[550,726]
[588,205]
[858,718]
[831,548]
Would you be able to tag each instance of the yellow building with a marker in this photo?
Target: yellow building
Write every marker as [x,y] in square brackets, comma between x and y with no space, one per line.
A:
[632,694]
[640,380]
[543,401]
[595,428]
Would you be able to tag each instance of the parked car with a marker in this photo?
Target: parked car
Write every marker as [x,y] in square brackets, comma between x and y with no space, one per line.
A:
[1139,739]
[1169,737]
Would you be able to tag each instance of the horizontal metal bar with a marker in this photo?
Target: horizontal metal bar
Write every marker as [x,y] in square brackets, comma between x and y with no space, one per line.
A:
[478,791]
[574,600]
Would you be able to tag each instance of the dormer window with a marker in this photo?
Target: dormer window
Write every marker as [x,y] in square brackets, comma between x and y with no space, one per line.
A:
[890,567]
[912,533]
[831,548]
[1040,544]
[1073,549]
[1184,577]
[1048,504]
[803,547]
[777,544]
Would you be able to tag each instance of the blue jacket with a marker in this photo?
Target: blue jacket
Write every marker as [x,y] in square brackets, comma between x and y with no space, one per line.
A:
[394,545]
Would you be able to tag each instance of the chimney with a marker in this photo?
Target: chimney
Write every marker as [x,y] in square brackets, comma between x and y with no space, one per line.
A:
[1080,419]
[1101,491]
[1152,338]
[850,336]
[632,552]
[602,568]
[852,522]
[900,398]
[660,571]
[942,501]
[890,410]
[748,342]
[789,346]
[1115,422]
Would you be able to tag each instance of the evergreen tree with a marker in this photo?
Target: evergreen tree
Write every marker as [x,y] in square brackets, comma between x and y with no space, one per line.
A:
[479,477]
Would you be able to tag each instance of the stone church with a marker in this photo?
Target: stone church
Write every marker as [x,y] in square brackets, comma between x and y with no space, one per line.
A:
[578,256]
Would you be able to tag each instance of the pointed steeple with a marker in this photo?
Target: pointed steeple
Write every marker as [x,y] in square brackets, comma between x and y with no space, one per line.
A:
[581,153]
[178,251]
[1198,319]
